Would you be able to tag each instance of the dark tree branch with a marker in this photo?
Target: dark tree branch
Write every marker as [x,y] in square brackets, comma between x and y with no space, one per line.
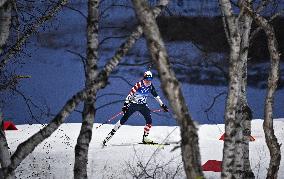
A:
[82,58]
[112,6]
[31,30]
[258,29]
[122,78]
[108,38]
[135,64]
[214,99]
[30,104]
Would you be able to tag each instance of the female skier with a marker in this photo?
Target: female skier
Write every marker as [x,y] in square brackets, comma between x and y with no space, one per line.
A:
[136,101]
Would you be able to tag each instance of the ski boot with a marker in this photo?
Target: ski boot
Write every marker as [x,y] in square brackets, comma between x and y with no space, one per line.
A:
[146,140]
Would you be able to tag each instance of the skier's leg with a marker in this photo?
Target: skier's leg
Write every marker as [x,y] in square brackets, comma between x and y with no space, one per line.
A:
[132,108]
[147,129]
[112,132]
[130,111]
[145,111]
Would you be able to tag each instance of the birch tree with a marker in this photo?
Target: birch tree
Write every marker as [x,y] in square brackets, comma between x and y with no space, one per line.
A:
[171,88]
[5,22]
[32,28]
[243,111]
[99,82]
[85,136]
[238,115]
[4,151]
[270,138]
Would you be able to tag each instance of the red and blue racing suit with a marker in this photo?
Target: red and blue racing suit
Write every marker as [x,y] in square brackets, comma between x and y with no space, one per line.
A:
[137,101]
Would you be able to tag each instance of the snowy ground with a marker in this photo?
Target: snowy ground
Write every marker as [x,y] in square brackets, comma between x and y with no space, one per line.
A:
[54,158]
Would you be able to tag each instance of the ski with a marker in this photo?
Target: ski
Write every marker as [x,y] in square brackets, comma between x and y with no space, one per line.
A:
[141,143]
[154,143]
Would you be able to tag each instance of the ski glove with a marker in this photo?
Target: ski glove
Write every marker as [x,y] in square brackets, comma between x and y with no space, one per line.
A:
[125,107]
[165,108]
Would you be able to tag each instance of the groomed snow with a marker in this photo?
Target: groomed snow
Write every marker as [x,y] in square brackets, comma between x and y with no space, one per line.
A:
[54,158]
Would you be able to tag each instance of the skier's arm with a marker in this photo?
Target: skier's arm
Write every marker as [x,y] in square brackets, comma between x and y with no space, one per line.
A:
[159,100]
[133,90]
[130,96]
[155,94]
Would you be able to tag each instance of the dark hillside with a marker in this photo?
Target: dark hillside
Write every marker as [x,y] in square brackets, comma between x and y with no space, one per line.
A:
[208,33]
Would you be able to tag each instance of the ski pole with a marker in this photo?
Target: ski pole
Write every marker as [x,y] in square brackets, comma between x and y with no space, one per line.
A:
[117,114]
[156,110]
[111,118]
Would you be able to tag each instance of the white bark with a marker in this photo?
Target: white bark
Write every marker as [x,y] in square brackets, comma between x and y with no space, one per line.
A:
[5,22]
[271,140]
[5,160]
[233,90]
[85,136]
[2,2]
[172,90]
[242,168]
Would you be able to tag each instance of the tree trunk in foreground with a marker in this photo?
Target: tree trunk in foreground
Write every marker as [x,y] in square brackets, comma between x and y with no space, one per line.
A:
[235,67]
[5,160]
[172,90]
[242,166]
[270,138]
[85,136]
[5,22]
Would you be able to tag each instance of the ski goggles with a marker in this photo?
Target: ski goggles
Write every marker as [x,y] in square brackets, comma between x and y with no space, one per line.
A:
[148,78]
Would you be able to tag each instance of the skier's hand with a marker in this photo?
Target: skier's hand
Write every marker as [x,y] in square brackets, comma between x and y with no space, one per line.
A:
[125,107]
[165,108]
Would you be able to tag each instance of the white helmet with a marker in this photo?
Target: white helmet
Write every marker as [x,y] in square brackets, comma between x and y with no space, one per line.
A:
[148,75]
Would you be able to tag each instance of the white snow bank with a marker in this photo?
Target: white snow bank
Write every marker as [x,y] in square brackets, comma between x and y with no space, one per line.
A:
[54,158]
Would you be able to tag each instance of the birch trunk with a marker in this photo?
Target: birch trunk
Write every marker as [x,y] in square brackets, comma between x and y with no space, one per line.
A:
[242,166]
[2,2]
[5,160]
[235,67]
[230,113]
[244,116]
[5,22]
[271,140]
[171,88]
[85,136]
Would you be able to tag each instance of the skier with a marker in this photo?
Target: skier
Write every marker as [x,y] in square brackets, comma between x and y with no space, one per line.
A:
[136,101]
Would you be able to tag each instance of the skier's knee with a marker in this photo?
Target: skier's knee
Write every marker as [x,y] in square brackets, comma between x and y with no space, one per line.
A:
[122,121]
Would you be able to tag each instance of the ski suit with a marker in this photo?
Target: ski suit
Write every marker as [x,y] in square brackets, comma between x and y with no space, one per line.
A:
[137,101]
